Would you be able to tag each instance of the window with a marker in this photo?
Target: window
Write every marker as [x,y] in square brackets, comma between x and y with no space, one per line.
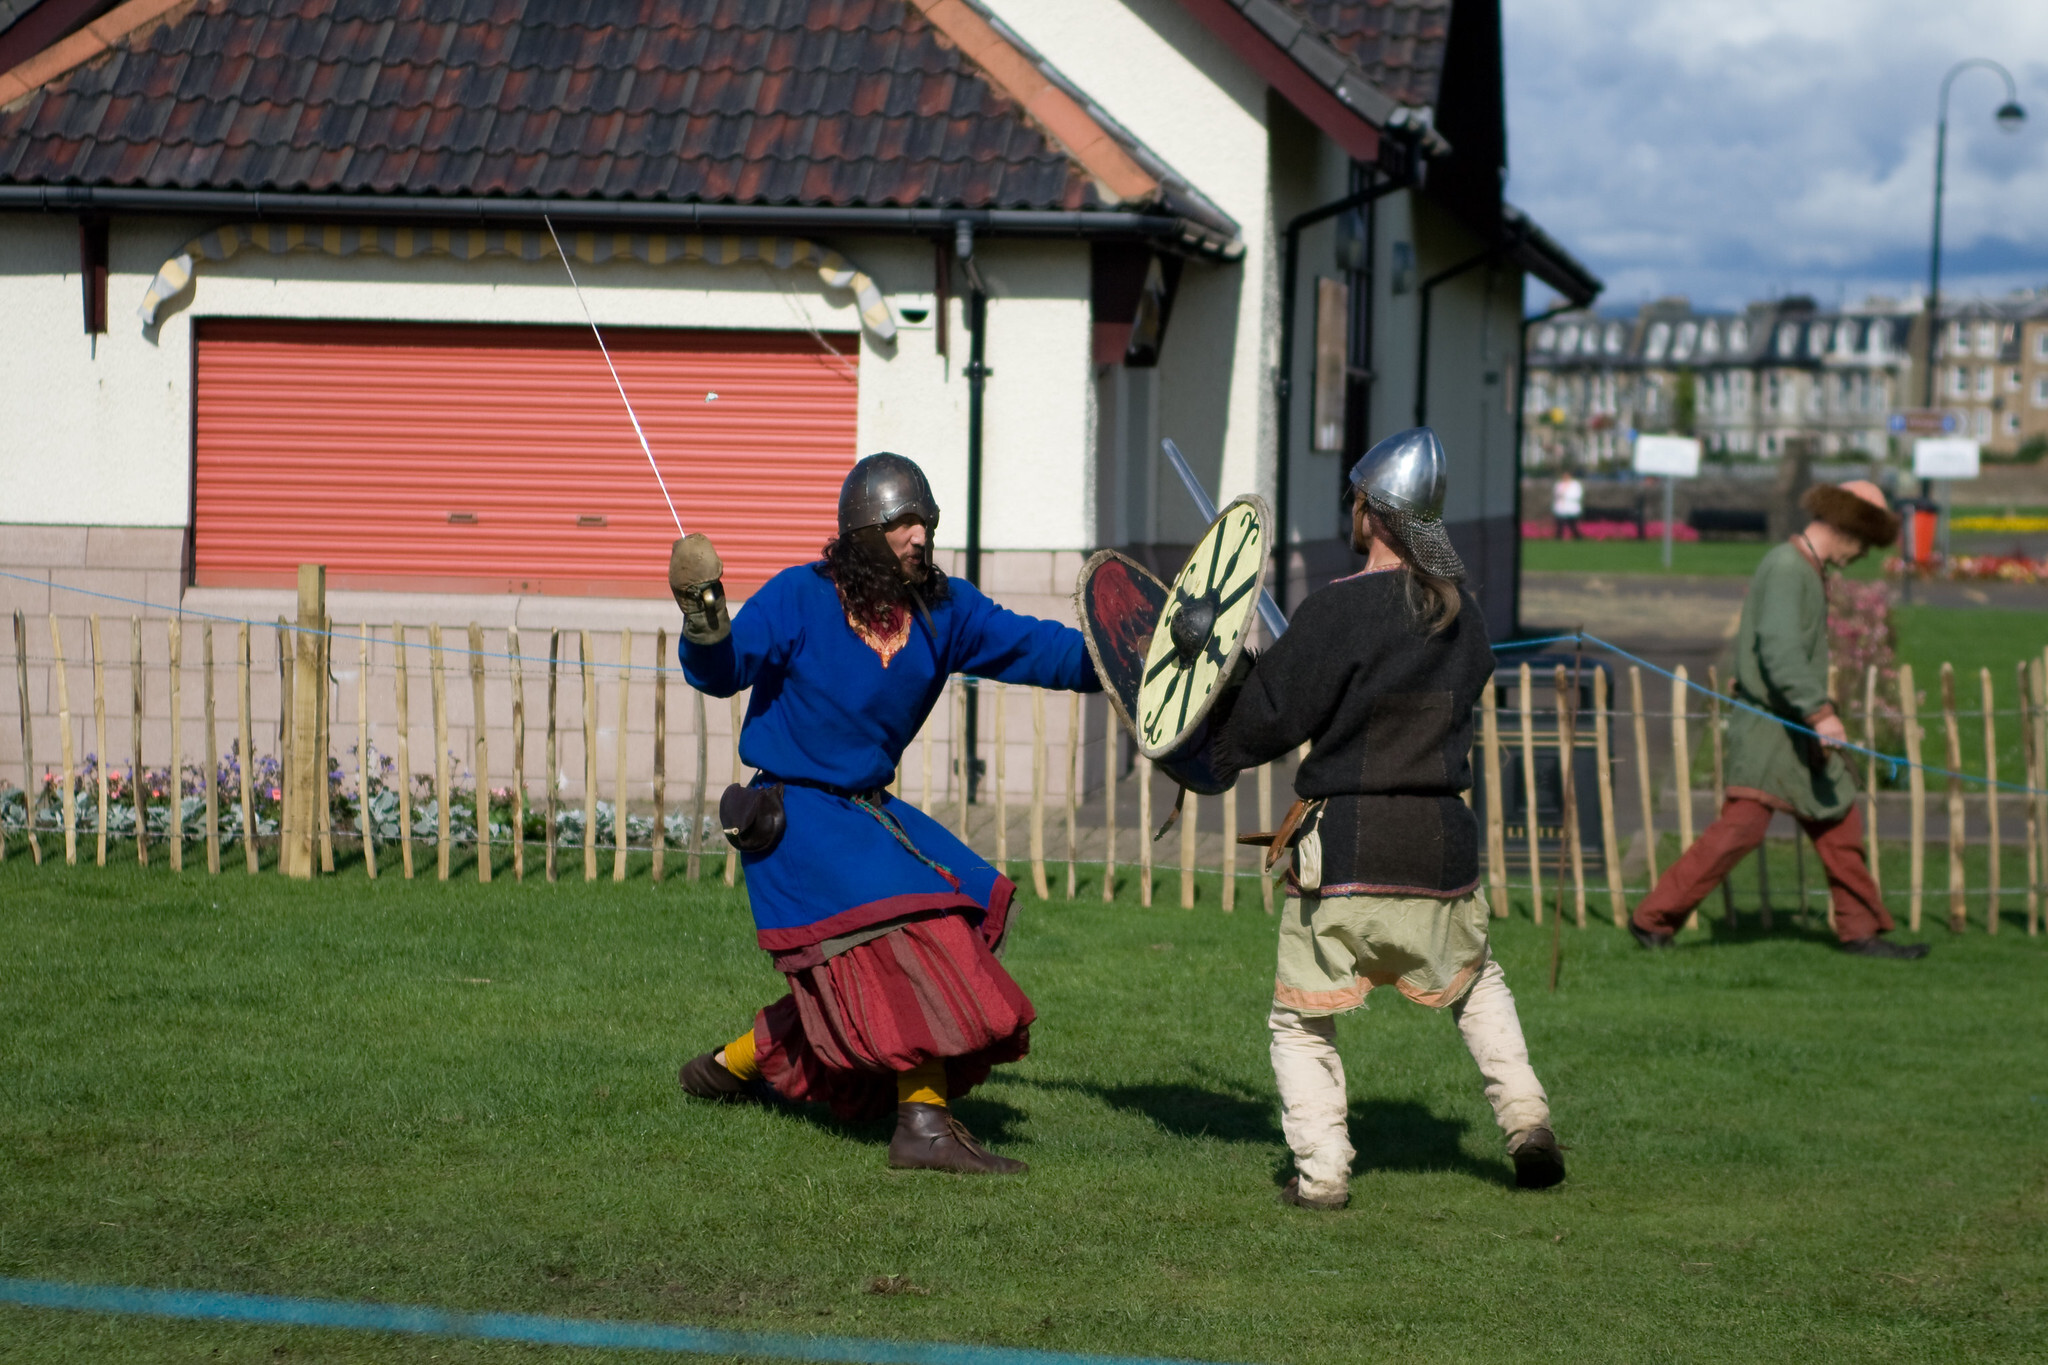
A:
[1688,333]
[1987,338]
[1589,344]
[1710,339]
[1567,340]
[1788,341]
[1959,381]
[1956,344]
[1845,337]
[1984,381]
[1546,337]
[1983,423]
[1660,338]
[2012,424]
[1817,338]
[1877,340]
[1774,391]
[1738,337]
[2012,380]
[2041,391]
[2041,344]
[1615,337]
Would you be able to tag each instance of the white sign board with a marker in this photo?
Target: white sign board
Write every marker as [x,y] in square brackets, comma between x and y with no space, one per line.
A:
[1675,457]
[1944,457]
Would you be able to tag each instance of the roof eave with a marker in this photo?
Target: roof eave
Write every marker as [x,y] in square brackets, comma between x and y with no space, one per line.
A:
[1541,255]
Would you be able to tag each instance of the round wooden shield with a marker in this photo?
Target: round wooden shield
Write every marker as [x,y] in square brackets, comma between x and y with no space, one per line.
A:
[1202,628]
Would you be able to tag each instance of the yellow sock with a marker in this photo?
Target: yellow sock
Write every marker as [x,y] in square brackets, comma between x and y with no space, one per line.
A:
[738,1057]
[924,1084]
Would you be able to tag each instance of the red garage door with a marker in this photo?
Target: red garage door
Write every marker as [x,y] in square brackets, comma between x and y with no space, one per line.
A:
[500,459]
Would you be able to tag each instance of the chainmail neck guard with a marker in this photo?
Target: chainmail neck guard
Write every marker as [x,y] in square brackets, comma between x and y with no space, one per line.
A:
[1423,538]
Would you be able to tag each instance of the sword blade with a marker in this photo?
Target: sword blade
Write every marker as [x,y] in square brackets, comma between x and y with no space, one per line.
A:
[1269,610]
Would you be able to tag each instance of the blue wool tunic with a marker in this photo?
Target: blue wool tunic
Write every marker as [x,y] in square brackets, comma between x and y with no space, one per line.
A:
[827,708]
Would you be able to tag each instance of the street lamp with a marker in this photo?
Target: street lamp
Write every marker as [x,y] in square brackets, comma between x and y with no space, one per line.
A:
[2009,118]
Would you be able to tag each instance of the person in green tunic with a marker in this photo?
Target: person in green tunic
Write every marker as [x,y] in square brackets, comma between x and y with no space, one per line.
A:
[1784,755]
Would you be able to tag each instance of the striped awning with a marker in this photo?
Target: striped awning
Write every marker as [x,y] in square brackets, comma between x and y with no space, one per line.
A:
[469,244]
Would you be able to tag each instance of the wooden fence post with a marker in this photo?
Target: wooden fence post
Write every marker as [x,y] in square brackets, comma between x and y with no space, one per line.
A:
[1073,786]
[695,863]
[31,789]
[1916,790]
[479,738]
[1144,831]
[364,764]
[589,757]
[1566,684]
[212,756]
[1038,882]
[1714,733]
[1496,830]
[70,793]
[323,786]
[1190,822]
[285,672]
[1958,903]
[1000,694]
[99,731]
[1266,824]
[963,761]
[174,639]
[1617,897]
[1229,800]
[1645,783]
[1681,758]
[138,785]
[732,855]
[518,661]
[1526,690]
[307,772]
[1870,776]
[620,756]
[1112,745]
[438,686]
[659,840]
[1996,854]
[404,701]
[551,778]
[244,736]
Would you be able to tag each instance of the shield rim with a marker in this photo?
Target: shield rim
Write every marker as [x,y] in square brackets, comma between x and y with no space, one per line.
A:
[1263,518]
[1096,561]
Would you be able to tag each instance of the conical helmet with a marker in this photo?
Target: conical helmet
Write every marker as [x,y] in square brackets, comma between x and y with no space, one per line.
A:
[1403,480]
[883,487]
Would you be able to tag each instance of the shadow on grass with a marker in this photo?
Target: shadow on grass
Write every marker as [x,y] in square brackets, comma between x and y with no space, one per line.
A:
[1403,1135]
[991,1121]
[1217,1110]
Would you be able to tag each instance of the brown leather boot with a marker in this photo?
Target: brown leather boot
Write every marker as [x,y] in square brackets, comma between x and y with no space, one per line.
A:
[705,1077]
[929,1138]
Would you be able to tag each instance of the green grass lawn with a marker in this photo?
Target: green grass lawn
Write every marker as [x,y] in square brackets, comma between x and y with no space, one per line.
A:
[464,1096]
[1700,558]
[1971,639]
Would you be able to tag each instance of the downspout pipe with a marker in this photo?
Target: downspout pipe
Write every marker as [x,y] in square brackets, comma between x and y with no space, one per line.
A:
[1521,406]
[977,373]
[1492,253]
[1283,379]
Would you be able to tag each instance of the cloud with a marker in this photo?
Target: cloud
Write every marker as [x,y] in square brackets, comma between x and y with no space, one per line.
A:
[1740,148]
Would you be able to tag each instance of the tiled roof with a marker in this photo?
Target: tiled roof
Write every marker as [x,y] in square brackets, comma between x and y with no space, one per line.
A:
[752,102]
[1398,43]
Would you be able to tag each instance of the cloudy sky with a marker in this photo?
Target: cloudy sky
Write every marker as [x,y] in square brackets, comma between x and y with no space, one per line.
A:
[1732,150]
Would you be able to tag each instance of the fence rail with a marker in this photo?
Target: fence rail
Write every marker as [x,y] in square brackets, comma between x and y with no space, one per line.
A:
[602,727]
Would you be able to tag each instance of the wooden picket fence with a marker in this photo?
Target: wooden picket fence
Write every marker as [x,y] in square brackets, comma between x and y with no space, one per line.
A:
[322,704]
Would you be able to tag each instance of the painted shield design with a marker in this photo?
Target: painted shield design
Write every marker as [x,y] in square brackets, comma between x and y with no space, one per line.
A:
[1119,603]
[1201,629]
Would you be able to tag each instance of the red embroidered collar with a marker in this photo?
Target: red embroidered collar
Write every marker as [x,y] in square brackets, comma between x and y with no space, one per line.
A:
[886,644]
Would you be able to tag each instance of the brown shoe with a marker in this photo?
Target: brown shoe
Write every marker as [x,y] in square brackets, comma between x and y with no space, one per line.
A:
[706,1078]
[1290,1193]
[1539,1162]
[929,1138]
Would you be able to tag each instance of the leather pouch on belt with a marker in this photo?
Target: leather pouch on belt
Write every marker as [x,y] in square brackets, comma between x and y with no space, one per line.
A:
[752,817]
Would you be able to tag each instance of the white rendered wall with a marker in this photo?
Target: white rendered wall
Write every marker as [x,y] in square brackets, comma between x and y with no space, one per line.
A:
[1181,92]
[96,431]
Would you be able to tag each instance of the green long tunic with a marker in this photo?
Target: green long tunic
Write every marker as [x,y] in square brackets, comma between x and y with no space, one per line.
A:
[1781,666]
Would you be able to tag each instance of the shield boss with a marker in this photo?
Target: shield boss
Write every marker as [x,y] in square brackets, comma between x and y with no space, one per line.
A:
[1202,628]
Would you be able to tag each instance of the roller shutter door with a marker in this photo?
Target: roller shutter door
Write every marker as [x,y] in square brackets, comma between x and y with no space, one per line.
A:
[499,459]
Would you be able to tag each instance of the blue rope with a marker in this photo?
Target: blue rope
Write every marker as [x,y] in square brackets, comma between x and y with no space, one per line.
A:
[274,1310]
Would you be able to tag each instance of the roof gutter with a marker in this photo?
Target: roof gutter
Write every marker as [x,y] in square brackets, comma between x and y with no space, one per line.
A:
[1169,231]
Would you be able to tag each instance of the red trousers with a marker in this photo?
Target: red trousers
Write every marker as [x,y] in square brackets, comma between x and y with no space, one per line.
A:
[1859,909]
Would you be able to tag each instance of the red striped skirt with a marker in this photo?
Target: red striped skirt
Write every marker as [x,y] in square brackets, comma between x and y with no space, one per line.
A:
[930,990]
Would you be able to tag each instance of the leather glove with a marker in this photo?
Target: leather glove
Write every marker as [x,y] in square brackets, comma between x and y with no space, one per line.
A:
[694,573]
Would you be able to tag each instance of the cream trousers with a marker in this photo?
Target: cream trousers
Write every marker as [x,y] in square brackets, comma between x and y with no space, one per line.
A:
[1310,1075]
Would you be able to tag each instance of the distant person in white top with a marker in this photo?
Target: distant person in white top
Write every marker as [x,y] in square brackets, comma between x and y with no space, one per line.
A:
[1567,501]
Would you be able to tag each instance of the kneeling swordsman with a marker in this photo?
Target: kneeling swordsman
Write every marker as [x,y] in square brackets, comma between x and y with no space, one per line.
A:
[887,927]
[1379,673]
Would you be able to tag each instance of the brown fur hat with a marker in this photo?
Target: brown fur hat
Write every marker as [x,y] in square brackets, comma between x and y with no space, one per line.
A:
[1857,509]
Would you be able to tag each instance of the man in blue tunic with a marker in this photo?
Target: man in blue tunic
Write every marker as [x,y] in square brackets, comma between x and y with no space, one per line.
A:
[887,927]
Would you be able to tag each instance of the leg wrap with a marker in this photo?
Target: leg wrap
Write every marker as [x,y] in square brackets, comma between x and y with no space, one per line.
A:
[1310,1076]
[1493,1033]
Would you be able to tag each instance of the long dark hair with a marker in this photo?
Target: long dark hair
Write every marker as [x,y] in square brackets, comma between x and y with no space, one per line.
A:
[1434,599]
[871,587]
